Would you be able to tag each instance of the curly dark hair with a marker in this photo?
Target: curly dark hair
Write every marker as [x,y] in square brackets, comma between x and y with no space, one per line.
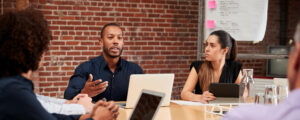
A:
[24,37]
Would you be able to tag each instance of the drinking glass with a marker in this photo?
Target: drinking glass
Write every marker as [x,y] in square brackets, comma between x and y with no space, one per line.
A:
[271,94]
[283,92]
[259,98]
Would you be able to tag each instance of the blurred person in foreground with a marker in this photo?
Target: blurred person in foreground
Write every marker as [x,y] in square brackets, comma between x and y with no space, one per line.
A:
[289,109]
[24,39]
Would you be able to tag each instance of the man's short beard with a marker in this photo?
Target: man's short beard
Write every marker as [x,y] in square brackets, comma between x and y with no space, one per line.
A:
[105,50]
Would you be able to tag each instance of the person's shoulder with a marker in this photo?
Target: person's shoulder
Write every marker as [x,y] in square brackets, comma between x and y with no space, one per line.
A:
[94,60]
[6,81]
[233,63]
[9,84]
[236,63]
[254,111]
[196,63]
[90,62]
[129,64]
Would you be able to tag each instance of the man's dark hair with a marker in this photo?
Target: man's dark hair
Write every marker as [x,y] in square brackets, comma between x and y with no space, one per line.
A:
[105,26]
[24,37]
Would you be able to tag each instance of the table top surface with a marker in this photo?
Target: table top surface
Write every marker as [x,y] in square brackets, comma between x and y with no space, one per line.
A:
[184,112]
[176,112]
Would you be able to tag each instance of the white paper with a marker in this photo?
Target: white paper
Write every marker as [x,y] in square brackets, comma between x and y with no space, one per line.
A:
[182,102]
[245,20]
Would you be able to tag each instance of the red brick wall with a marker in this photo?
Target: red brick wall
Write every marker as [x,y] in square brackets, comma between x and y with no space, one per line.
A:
[160,36]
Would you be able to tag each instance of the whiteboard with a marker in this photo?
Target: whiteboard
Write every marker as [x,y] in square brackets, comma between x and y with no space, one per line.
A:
[245,20]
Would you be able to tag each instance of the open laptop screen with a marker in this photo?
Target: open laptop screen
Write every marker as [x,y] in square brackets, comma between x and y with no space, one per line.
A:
[155,82]
[146,107]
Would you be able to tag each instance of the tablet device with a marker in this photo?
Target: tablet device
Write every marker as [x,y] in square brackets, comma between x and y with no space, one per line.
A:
[224,89]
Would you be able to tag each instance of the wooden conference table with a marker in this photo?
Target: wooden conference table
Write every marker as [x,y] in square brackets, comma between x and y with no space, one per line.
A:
[175,112]
[182,112]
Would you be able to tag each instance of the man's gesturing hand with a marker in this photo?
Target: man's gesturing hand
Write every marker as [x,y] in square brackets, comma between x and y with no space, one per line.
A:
[93,88]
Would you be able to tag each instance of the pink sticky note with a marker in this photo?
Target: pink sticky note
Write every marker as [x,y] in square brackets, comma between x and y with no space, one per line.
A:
[210,24]
[211,4]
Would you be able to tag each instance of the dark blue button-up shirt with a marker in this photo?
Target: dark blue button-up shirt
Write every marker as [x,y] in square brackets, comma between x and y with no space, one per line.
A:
[117,82]
[18,102]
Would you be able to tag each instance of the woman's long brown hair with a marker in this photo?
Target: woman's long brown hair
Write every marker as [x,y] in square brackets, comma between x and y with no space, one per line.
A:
[205,74]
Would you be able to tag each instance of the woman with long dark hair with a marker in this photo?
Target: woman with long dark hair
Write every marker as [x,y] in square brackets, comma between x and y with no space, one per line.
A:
[219,66]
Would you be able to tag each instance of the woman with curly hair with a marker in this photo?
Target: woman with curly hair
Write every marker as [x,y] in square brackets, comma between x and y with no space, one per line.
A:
[24,39]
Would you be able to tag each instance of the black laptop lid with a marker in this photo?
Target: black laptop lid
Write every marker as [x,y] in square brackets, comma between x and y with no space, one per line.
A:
[147,105]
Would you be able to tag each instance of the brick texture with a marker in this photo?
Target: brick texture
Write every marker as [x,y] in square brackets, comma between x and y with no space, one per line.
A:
[160,36]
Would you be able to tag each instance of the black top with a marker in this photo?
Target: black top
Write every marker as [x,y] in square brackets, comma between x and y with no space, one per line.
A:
[229,73]
[18,102]
[117,82]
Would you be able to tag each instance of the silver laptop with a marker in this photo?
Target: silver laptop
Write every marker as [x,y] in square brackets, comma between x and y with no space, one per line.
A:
[147,105]
[155,82]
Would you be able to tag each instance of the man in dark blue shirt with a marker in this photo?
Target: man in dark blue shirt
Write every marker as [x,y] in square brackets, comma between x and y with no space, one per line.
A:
[106,76]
